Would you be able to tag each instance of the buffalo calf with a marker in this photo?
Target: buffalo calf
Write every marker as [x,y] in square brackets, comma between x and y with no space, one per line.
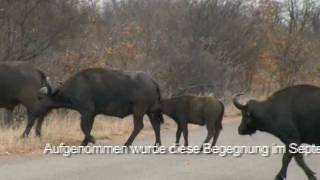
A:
[196,110]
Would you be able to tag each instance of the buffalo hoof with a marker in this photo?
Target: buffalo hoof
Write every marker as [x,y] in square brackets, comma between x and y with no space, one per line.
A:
[38,134]
[156,146]
[201,149]
[312,177]
[84,143]
[23,136]
[87,140]
[280,177]
[92,140]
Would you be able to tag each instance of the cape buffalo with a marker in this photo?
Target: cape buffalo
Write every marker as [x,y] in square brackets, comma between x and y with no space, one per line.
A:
[196,110]
[110,92]
[292,115]
[19,84]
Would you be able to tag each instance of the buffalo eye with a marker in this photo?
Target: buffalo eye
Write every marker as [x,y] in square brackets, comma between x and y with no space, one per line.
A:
[249,117]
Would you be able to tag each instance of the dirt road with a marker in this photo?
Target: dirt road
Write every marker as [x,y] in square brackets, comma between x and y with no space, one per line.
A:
[160,167]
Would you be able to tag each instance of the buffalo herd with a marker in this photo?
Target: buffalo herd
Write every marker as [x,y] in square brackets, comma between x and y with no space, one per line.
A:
[291,114]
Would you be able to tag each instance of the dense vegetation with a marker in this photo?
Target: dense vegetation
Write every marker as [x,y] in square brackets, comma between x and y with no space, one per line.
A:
[205,46]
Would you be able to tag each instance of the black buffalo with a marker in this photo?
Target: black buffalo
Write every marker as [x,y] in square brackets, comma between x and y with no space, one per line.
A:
[110,92]
[200,110]
[292,115]
[20,83]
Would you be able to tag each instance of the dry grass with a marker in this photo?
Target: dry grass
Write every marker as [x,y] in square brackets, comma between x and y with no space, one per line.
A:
[66,128]
[60,128]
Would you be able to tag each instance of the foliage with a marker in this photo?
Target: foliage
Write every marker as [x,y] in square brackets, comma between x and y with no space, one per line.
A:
[220,46]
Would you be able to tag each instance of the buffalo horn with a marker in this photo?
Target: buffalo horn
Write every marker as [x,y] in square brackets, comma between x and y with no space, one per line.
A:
[236,102]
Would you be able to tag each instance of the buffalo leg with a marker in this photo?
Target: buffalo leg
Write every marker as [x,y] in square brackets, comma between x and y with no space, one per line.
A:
[178,134]
[285,162]
[137,126]
[9,119]
[300,161]
[215,137]
[30,123]
[209,136]
[185,133]
[86,127]
[156,127]
[210,132]
[38,126]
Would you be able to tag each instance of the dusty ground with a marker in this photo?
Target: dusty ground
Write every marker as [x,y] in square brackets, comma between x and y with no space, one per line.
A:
[66,129]
[139,167]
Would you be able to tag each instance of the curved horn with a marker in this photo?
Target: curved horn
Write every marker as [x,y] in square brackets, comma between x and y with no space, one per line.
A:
[236,102]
